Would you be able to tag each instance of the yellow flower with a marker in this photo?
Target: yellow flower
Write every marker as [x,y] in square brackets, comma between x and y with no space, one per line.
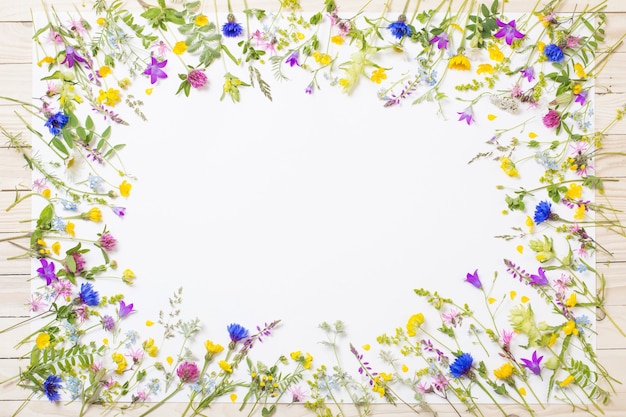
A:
[541,46]
[530,223]
[491,300]
[504,372]
[460,63]
[225,366]
[149,323]
[125,187]
[512,294]
[124,83]
[414,323]
[320,58]
[94,214]
[571,300]
[566,381]
[344,82]
[577,88]
[101,21]
[405,368]
[366,347]
[491,117]
[201,20]
[110,97]
[179,48]
[150,347]
[45,60]
[105,341]
[532,135]
[128,276]
[574,191]
[508,167]
[296,355]
[149,91]
[42,341]
[121,362]
[495,54]
[300,36]
[552,340]
[337,40]
[579,213]
[580,71]
[519,248]
[522,391]
[525,299]
[104,71]
[69,228]
[485,68]
[233,397]
[169,360]
[213,348]
[46,193]
[56,248]
[570,328]
[378,75]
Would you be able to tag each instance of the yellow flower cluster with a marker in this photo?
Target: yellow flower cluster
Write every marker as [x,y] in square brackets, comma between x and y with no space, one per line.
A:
[508,167]
[414,323]
[120,361]
[305,360]
[110,97]
[150,348]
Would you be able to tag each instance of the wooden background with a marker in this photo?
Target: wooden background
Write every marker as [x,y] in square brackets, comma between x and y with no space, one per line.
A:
[15,81]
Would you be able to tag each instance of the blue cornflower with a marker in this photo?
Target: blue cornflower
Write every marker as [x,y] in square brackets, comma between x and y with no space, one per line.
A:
[553,52]
[88,295]
[542,212]
[56,122]
[51,387]
[236,332]
[462,365]
[400,29]
[232,29]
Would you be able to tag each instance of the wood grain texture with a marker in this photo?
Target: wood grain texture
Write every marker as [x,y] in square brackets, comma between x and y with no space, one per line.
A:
[15,79]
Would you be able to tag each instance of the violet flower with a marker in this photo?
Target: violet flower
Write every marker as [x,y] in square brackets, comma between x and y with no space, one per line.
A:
[467,115]
[47,271]
[125,310]
[441,40]
[533,364]
[292,59]
[581,97]
[71,57]
[154,70]
[528,73]
[508,31]
[539,279]
[474,279]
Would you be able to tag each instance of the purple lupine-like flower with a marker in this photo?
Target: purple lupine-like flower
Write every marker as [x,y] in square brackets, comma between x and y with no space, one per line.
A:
[154,70]
[540,278]
[46,271]
[441,40]
[533,364]
[508,31]
[188,372]
[108,323]
[71,57]
[474,279]
[292,59]
[528,73]
[467,115]
[125,310]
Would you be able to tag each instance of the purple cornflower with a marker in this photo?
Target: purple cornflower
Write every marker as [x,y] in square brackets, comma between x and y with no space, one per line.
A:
[125,310]
[400,29]
[467,115]
[51,387]
[56,122]
[188,372]
[533,364]
[551,119]
[197,78]
[581,97]
[108,323]
[528,73]
[462,365]
[47,271]
[236,332]
[231,29]
[542,212]
[292,59]
[553,52]
[474,279]
[154,70]
[71,57]
[107,241]
[508,31]
[88,295]
[540,278]
[441,40]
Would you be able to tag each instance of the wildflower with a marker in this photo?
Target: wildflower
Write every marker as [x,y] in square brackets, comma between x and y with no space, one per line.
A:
[236,332]
[179,47]
[201,20]
[71,57]
[579,213]
[197,78]
[462,365]
[539,279]
[504,372]
[231,29]
[337,39]
[104,71]
[508,31]
[94,214]
[528,73]
[566,381]
[45,60]
[88,295]
[188,372]
[581,98]
[508,167]
[551,119]
[154,70]
[42,341]
[128,276]
[225,366]
[309,89]
[125,188]
[533,364]
[459,62]
[120,361]
[51,387]
[119,211]
[542,212]
[571,300]
[378,75]
[574,191]
[495,54]
[474,279]
[56,122]
[297,393]
[580,71]
[570,328]
[213,348]
[46,271]
[108,323]
[485,69]
[125,310]
[292,59]
[399,29]
[414,323]
[467,115]
[553,52]
[150,347]
[441,40]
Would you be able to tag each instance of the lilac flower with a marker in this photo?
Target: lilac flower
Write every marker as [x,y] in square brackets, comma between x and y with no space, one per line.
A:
[542,212]
[441,40]
[551,119]
[533,364]
[47,271]
[400,29]
[467,115]
[88,295]
[232,29]
[309,89]
[108,323]
[188,372]
[508,31]
[553,52]
[462,365]
[154,70]
[119,211]
[56,122]
[51,387]
[71,57]
[581,97]
[539,279]
[292,59]
[125,310]
[474,279]
[529,73]
[236,332]
[197,78]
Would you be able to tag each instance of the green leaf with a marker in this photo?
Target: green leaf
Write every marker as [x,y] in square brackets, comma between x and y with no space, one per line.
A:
[56,142]
[89,123]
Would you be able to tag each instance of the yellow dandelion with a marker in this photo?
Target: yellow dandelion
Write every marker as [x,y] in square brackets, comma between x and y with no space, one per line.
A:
[485,69]
[42,341]
[94,214]
[504,372]
[201,20]
[179,48]
[459,63]
[225,366]
[213,348]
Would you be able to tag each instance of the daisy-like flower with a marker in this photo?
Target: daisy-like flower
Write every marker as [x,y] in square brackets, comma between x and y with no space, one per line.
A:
[231,29]
[460,63]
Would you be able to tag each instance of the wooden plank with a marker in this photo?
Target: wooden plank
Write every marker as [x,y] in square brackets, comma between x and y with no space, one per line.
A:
[15,41]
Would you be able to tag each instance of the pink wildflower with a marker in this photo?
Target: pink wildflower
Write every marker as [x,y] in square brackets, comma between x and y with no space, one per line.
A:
[107,241]
[188,372]
[552,119]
